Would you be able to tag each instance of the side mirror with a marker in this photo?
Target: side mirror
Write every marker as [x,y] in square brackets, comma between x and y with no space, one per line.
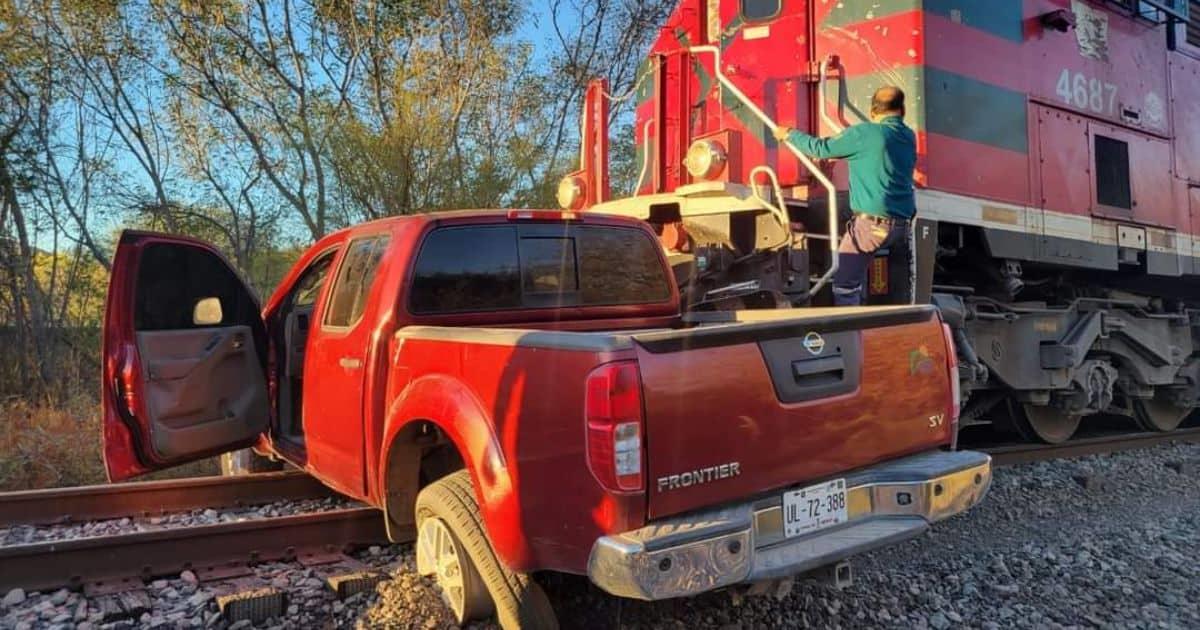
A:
[207,312]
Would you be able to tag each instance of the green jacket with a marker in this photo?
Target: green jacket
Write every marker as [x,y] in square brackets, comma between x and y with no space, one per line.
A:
[882,157]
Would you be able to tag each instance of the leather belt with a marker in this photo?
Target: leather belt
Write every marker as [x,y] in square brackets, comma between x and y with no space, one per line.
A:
[878,220]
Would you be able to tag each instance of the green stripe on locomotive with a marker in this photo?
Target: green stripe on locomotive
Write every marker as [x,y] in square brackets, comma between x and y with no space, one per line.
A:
[1001,18]
[968,109]
[846,12]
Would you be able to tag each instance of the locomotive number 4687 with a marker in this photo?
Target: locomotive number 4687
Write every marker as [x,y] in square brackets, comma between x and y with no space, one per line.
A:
[1088,93]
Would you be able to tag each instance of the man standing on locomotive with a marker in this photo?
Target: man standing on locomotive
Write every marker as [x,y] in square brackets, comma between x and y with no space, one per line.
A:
[881,154]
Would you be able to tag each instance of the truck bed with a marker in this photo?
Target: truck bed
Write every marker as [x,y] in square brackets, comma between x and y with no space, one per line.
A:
[782,396]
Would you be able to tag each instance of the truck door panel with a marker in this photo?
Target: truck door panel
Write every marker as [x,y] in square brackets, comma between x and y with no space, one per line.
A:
[184,356]
[195,390]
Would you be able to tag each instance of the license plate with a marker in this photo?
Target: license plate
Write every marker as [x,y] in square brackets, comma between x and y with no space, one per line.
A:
[814,508]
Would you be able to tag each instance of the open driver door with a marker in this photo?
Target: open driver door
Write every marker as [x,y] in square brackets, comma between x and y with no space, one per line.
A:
[184,356]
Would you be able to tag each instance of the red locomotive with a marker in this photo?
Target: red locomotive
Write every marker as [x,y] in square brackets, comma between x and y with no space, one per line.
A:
[1058,175]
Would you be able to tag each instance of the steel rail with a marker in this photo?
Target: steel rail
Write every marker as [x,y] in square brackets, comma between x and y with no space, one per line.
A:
[76,563]
[1009,454]
[149,498]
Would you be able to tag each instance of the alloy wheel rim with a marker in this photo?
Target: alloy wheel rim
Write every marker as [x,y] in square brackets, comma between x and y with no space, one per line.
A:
[442,554]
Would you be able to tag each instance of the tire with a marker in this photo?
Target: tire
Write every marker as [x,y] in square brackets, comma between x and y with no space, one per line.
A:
[519,603]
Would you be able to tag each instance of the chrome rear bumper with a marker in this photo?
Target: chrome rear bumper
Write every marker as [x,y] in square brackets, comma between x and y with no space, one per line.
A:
[699,552]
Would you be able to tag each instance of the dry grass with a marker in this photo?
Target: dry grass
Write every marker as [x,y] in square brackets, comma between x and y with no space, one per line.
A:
[47,447]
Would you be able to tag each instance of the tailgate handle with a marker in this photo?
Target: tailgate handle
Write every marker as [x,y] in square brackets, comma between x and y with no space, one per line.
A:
[798,375]
[819,372]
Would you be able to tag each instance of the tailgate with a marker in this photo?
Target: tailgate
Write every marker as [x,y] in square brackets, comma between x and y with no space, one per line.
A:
[733,410]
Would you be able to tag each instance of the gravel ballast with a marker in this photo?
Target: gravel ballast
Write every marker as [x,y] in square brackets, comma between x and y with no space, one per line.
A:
[27,534]
[1042,551]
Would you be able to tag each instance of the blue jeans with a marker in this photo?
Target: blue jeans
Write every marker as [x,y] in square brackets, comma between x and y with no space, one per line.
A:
[865,235]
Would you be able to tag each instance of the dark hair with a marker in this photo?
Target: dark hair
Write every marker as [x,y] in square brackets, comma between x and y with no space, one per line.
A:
[888,99]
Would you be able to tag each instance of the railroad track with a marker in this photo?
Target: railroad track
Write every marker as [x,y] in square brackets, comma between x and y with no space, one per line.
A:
[104,563]
[98,563]
[150,498]
[1009,454]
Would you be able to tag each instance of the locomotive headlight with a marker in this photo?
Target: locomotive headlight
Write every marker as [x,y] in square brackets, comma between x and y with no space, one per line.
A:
[705,159]
[570,192]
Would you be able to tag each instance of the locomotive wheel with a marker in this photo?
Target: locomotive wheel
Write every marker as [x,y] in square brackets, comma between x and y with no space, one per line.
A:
[1043,423]
[1159,414]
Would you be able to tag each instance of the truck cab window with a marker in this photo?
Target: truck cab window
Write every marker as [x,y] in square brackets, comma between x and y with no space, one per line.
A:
[463,269]
[353,283]
[759,10]
[309,286]
[620,266]
[548,265]
[467,269]
[173,281]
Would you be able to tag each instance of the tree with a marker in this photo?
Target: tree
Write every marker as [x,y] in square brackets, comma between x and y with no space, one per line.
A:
[262,125]
[595,39]
[265,75]
[448,105]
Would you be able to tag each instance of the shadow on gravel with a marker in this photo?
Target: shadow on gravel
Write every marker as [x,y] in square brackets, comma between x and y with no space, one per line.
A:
[1040,552]
[581,605]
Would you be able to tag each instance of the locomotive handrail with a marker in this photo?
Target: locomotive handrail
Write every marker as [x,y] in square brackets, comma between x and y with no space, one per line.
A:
[830,122]
[780,214]
[830,188]
[645,157]
[840,123]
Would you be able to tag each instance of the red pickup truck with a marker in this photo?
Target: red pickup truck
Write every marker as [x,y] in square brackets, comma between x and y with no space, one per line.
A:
[521,390]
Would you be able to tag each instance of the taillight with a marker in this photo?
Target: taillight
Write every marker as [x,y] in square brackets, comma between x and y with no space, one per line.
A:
[613,417]
[955,383]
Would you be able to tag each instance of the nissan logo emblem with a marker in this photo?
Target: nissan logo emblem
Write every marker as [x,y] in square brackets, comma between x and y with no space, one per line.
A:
[814,343]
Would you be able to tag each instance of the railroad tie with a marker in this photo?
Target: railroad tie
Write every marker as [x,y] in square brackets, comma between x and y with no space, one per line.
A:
[129,604]
[345,576]
[240,594]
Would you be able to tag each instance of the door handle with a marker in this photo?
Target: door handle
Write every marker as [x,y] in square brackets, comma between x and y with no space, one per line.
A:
[350,363]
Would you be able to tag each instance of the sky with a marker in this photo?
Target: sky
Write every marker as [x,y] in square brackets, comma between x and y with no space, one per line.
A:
[535,27]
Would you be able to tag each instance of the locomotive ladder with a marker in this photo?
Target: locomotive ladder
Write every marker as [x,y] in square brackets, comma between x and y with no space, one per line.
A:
[809,165]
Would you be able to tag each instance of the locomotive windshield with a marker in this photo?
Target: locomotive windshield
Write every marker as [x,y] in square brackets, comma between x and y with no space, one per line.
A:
[758,10]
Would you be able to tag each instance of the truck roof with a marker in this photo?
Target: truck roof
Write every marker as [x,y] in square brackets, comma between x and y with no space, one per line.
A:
[466,217]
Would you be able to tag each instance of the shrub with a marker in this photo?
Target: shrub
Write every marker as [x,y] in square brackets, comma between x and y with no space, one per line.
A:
[44,446]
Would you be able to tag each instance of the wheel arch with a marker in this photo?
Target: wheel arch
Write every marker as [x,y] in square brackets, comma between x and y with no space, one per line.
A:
[439,412]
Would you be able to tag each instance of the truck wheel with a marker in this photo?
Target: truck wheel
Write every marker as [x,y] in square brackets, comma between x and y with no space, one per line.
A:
[453,546]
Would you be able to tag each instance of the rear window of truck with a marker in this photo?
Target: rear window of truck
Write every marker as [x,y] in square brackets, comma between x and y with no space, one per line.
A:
[490,268]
